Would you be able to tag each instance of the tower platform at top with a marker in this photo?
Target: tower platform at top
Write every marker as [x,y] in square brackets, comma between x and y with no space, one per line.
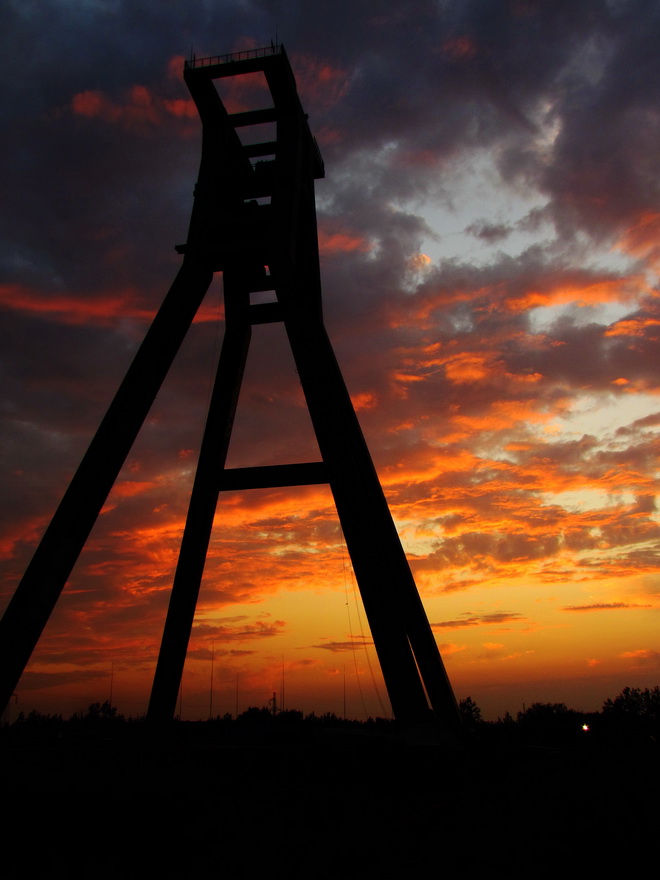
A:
[244,192]
[274,63]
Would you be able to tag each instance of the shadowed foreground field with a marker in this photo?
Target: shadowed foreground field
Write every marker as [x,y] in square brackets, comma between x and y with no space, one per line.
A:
[334,806]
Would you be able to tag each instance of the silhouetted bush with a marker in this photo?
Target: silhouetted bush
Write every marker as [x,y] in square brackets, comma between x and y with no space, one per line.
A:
[38,719]
[634,715]
[635,703]
[550,724]
[470,713]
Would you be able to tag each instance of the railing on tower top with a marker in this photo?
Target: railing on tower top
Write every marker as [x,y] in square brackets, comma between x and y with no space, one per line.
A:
[234,56]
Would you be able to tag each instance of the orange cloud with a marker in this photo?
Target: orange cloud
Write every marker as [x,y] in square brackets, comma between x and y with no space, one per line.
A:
[428,464]
[469,367]
[615,290]
[364,400]
[130,488]
[525,378]
[501,414]
[632,327]
[420,262]
[642,239]
[643,654]
[341,242]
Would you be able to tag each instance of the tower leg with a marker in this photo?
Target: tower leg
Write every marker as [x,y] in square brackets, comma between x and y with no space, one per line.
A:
[402,636]
[203,502]
[36,595]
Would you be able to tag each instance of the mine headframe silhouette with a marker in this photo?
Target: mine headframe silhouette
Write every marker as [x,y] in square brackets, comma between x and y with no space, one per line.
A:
[254,220]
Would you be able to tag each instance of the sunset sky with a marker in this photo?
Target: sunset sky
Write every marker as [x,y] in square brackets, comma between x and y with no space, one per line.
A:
[489,228]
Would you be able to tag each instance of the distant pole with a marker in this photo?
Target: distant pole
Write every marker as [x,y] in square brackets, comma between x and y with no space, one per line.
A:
[344,690]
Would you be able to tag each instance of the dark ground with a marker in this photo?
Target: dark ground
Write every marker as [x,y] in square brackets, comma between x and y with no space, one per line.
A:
[336,806]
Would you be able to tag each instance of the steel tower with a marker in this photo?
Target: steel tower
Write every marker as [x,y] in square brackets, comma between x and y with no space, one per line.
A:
[254,220]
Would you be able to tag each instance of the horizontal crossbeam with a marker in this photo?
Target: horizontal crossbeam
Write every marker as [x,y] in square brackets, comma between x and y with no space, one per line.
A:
[253,117]
[273,476]
[268,148]
[265,313]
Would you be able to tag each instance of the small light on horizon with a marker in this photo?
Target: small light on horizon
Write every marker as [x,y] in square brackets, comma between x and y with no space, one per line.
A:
[585,727]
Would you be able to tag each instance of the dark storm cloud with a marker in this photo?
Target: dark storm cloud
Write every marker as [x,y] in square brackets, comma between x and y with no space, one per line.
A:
[422,83]
[489,232]
[647,422]
[469,619]
[603,606]
[240,631]
[33,680]
[498,74]
[344,647]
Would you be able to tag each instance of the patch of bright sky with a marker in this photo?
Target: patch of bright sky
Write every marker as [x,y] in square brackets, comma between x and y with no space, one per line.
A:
[586,499]
[416,541]
[601,416]
[542,318]
[476,197]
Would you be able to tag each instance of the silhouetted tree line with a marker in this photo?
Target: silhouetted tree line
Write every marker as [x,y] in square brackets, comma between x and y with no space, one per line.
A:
[631,717]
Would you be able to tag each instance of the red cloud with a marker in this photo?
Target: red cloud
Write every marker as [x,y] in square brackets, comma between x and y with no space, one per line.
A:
[100,309]
[181,107]
[138,109]
[140,106]
[459,49]
[321,85]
